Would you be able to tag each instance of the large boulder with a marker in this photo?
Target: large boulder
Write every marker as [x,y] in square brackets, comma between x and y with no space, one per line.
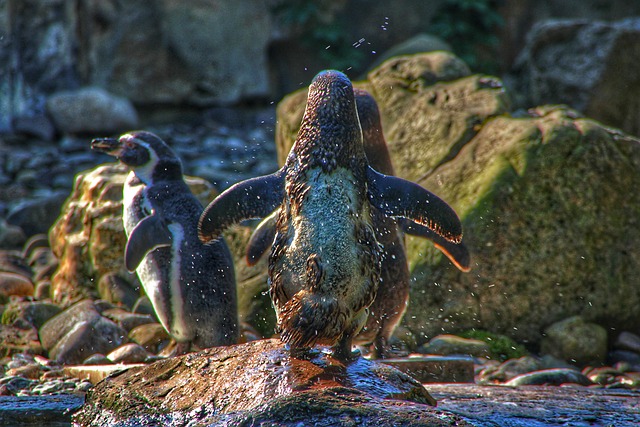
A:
[88,237]
[259,383]
[548,202]
[196,52]
[588,65]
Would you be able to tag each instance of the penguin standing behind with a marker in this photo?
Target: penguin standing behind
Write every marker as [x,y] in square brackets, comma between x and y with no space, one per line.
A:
[324,266]
[191,285]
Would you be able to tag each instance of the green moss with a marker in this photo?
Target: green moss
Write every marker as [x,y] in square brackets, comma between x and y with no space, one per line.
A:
[9,314]
[500,346]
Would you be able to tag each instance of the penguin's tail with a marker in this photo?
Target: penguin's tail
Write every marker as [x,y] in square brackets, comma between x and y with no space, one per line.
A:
[308,319]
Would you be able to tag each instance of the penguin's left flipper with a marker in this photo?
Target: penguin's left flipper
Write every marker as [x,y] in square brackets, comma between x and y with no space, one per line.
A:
[253,198]
[398,197]
[261,239]
[147,235]
[458,253]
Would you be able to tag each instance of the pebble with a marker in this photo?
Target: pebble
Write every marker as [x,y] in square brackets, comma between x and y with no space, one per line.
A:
[151,336]
[129,353]
[14,284]
[115,289]
[127,320]
[557,376]
[97,359]
[143,306]
[628,341]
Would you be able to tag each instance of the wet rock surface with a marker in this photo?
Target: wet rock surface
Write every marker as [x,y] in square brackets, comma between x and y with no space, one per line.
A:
[256,382]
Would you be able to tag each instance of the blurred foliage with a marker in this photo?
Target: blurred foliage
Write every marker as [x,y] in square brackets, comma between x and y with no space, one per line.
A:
[470,27]
[321,27]
[501,347]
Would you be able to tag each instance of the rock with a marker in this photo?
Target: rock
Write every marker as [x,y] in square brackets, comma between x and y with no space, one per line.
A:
[43,290]
[85,338]
[595,75]
[259,383]
[14,340]
[127,320]
[13,262]
[79,331]
[576,341]
[190,65]
[97,359]
[11,236]
[91,110]
[143,306]
[36,313]
[419,43]
[31,371]
[36,216]
[13,284]
[37,53]
[550,377]
[628,341]
[503,372]
[435,369]
[626,356]
[115,289]
[35,242]
[451,344]
[151,336]
[129,353]
[38,126]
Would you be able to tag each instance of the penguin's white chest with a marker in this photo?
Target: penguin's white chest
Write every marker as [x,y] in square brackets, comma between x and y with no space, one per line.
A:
[161,281]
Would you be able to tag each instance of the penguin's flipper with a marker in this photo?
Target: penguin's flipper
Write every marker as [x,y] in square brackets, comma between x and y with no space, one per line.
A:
[147,235]
[261,239]
[398,197]
[458,253]
[253,198]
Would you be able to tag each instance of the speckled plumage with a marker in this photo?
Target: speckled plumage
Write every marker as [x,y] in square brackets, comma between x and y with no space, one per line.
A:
[390,304]
[324,265]
[191,285]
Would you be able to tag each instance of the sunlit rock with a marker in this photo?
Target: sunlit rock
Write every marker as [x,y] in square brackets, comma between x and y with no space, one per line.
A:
[548,201]
[259,383]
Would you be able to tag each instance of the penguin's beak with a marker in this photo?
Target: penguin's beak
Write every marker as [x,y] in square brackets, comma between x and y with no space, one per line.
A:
[111,146]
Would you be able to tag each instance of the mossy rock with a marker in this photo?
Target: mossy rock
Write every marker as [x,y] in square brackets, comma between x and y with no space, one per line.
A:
[500,346]
[548,201]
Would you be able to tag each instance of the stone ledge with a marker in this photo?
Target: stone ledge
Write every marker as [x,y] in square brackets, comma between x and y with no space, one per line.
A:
[436,369]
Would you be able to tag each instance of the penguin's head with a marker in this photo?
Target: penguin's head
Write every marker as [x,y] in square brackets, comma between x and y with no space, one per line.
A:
[145,153]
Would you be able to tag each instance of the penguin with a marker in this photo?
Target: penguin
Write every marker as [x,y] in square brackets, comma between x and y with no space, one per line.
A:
[325,262]
[191,285]
[389,306]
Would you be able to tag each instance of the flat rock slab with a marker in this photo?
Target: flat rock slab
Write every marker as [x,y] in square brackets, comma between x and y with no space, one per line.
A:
[259,382]
[527,406]
[436,369]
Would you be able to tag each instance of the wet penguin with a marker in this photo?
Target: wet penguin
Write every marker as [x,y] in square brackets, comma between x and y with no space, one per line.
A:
[191,285]
[324,266]
[389,306]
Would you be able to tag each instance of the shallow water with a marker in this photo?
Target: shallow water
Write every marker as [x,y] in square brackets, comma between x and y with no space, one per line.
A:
[42,411]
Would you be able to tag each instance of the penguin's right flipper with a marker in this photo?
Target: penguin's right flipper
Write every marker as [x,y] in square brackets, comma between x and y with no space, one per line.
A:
[147,235]
[253,198]
[458,253]
[261,239]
